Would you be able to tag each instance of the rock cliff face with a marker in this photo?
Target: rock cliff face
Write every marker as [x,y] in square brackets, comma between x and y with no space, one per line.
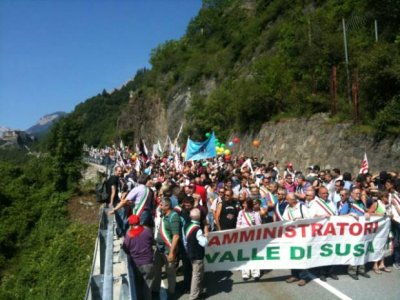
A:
[149,119]
[303,142]
[314,141]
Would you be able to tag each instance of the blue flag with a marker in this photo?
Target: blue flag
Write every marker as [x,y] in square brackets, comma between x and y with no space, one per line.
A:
[201,150]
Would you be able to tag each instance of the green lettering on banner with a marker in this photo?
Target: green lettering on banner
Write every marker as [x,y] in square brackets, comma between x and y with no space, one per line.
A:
[227,256]
[309,249]
[254,255]
[273,253]
[240,256]
[370,248]
[211,259]
[297,253]
[326,250]
[358,250]
[346,252]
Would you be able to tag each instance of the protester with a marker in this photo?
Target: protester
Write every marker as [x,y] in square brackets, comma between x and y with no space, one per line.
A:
[247,217]
[358,209]
[227,212]
[296,211]
[394,200]
[138,244]
[280,205]
[234,193]
[195,243]
[167,245]
[381,207]
[323,207]
[301,187]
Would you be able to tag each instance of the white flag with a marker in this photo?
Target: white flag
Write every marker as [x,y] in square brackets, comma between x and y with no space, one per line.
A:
[364,165]
[247,163]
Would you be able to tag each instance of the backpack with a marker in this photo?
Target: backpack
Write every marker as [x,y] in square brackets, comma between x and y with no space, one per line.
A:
[102,194]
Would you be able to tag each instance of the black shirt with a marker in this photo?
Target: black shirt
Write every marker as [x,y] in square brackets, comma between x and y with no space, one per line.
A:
[228,215]
[113,181]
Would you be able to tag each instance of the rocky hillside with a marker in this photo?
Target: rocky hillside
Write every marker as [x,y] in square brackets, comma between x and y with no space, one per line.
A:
[242,64]
[315,140]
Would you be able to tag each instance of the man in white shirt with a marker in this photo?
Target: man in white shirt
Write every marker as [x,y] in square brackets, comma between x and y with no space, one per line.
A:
[296,211]
[394,200]
[323,207]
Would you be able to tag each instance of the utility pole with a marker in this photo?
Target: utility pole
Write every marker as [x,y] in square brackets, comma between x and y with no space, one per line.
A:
[347,59]
[333,92]
[376,30]
[309,31]
[355,92]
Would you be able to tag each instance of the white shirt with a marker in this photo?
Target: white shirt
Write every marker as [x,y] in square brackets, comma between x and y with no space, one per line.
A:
[299,211]
[394,197]
[317,208]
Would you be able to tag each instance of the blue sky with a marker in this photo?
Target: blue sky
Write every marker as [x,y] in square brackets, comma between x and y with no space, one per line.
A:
[55,54]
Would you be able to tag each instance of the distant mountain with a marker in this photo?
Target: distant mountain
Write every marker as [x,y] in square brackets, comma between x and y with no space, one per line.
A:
[45,123]
[3,129]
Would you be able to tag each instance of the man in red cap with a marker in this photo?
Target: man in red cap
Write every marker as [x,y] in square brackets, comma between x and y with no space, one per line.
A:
[138,244]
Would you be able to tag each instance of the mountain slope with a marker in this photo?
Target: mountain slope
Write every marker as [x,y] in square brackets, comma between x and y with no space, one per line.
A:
[45,123]
[242,63]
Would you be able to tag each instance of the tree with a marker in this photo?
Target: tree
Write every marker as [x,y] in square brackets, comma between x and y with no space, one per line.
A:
[65,147]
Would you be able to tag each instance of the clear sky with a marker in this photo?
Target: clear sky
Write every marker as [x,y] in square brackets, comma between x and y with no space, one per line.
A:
[55,54]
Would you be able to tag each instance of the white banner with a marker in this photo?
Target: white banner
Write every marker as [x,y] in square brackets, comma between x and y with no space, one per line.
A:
[301,244]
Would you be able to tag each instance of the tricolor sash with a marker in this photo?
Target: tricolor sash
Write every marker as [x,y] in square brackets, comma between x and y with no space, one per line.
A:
[277,212]
[396,198]
[248,218]
[165,235]
[325,206]
[290,213]
[191,228]
[271,198]
[264,190]
[358,208]
[178,209]
[138,209]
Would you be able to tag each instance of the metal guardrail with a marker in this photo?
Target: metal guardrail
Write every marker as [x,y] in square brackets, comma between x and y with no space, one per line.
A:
[100,284]
[102,278]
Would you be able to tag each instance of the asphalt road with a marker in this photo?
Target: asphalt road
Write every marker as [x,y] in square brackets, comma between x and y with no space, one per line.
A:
[272,285]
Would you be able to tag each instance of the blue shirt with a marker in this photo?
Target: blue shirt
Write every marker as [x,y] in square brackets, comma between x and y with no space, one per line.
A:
[343,208]
[356,211]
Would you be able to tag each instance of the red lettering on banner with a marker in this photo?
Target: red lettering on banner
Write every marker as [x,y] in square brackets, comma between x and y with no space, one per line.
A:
[258,234]
[269,233]
[280,231]
[214,241]
[330,229]
[352,229]
[342,225]
[369,228]
[316,229]
[246,236]
[303,229]
[290,231]
[230,238]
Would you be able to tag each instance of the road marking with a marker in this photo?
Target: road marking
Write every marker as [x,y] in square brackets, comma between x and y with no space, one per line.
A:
[330,288]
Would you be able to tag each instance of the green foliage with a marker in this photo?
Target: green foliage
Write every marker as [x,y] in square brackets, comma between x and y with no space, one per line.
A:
[65,148]
[13,154]
[265,59]
[42,253]
[285,50]
[388,120]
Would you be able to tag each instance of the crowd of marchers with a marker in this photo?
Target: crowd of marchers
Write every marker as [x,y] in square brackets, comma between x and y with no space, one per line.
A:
[166,208]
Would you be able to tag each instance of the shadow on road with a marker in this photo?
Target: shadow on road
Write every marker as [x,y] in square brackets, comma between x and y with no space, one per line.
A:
[218,282]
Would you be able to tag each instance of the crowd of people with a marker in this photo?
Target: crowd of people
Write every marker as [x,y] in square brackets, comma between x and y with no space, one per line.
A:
[165,211]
